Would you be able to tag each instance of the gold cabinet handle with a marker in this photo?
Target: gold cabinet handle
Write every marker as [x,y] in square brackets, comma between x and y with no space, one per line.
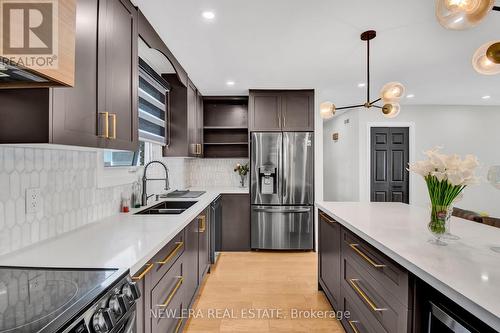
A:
[355,247]
[113,121]
[353,323]
[361,293]
[178,326]
[143,273]
[327,218]
[171,254]
[173,292]
[106,124]
[203,223]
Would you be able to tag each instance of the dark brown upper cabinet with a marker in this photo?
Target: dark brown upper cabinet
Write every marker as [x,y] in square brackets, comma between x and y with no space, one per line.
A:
[281,110]
[101,109]
[186,119]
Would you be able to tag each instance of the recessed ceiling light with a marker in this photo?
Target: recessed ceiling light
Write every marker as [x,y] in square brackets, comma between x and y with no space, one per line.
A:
[208,15]
[486,97]
[230,83]
[410,96]
[361,85]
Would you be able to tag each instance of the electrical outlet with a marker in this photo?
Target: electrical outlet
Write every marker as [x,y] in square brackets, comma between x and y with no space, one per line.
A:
[33,200]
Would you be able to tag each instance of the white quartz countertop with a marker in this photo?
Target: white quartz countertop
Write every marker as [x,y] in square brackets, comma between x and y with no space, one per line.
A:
[121,241]
[467,270]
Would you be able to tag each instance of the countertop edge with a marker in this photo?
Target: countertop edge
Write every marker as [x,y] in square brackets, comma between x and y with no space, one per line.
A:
[469,305]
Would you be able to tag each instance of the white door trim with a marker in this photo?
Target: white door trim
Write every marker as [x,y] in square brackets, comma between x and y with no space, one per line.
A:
[365,193]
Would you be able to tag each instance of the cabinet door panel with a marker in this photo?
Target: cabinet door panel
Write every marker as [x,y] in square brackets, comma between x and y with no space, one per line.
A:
[330,257]
[203,241]
[192,103]
[74,110]
[199,123]
[235,222]
[298,111]
[118,66]
[265,111]
[191,262]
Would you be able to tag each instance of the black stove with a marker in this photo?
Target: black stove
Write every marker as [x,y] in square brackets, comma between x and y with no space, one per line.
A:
[66,300]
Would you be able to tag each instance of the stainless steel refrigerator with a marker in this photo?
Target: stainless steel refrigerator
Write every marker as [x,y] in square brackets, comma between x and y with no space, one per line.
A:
[282,190]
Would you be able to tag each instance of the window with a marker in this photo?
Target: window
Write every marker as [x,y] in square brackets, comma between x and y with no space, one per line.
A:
[153,120]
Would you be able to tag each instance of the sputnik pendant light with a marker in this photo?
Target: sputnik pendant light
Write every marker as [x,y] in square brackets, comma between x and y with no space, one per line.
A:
[466,14]
[390,94]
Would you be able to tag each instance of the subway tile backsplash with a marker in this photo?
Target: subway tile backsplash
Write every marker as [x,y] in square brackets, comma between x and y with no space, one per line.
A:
[70,197]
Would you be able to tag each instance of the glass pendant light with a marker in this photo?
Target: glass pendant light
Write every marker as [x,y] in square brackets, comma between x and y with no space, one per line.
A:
[482,63]
[392,92]
[391,110]
[462,14]
[327,110]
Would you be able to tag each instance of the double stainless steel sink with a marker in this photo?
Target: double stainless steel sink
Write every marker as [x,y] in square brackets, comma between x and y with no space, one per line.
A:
[167,208]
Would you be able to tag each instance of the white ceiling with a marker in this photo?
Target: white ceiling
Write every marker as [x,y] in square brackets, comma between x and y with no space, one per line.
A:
[315,44]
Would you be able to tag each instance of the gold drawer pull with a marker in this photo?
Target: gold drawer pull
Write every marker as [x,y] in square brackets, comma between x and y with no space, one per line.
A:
[172,254]
[144,272]
[364,256]
[113,121]
[361,293]
[327,218]
[178,326]
[173,292]
[106,124]
[353,323]
[203,223]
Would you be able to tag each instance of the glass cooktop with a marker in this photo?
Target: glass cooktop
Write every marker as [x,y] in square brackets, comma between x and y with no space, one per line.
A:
[32,298]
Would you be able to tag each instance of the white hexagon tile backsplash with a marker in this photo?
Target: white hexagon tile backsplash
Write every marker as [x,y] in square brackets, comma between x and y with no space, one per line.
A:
[70,197]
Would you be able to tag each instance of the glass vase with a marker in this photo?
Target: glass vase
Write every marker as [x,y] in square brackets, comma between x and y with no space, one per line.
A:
[439,224]
[242,180]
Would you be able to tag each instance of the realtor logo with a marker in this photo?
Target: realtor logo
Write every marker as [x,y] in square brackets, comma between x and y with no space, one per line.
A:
[29,33]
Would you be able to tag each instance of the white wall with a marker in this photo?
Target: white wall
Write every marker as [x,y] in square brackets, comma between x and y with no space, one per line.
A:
[458,129]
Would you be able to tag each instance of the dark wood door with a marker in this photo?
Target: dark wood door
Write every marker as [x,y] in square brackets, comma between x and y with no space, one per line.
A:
[190,262]
[117,72]
[204,248]
[235,222]
[330,258]
[199,123]
[192,104]
[389,160]
[74,117]
[298,111]
[265,111]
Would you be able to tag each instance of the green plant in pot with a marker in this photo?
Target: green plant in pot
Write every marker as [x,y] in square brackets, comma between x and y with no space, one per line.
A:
[242,170]
[446,177]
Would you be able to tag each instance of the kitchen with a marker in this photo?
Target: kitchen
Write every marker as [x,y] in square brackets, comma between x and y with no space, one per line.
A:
[168,179]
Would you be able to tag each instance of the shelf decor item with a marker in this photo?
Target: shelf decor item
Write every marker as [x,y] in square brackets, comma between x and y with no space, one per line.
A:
[446,177]
[242,170]
[389,95]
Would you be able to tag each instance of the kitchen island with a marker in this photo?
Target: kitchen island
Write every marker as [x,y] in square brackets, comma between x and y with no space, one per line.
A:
[466,271]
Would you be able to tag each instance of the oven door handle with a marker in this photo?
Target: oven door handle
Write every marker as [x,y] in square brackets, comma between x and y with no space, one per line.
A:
[445,319]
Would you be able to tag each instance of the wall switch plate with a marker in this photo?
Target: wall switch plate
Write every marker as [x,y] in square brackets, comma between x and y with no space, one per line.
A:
[33,200]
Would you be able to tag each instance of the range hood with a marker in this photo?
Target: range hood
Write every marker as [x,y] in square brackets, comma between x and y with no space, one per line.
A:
[43,56]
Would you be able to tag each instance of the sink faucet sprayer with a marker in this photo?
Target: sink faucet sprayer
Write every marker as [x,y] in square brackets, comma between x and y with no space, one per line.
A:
[145,196]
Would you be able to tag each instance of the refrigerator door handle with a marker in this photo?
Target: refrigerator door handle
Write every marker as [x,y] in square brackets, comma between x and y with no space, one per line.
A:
[279,211]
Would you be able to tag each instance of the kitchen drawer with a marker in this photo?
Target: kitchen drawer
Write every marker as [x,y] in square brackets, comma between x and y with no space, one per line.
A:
[359,320]
[388,273]
[382,305]
[167,300]
[166,257]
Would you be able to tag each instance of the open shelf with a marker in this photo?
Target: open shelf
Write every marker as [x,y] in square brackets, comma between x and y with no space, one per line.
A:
[225,128]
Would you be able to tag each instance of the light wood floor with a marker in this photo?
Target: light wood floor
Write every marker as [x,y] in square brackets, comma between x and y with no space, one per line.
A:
[248,281]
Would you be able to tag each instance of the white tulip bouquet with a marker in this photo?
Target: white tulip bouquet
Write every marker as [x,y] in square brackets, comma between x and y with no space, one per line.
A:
[446,177]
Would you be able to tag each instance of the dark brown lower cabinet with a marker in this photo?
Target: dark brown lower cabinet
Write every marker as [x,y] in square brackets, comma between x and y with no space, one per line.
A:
[203,244]
[329,258]
[235,222]
[170,281]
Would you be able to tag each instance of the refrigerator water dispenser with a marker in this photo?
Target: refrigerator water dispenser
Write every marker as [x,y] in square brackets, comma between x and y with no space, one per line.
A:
[267,176]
